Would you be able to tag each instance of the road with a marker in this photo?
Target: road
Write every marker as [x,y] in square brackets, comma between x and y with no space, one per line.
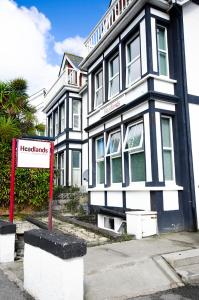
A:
[9,291]
[184,293]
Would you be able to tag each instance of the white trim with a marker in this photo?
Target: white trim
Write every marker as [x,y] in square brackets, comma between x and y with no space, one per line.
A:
[90,162]
[105,166]
[147,140]
[69,167]
[108,143]
[76,115]
[120,66]
[113,45]
[138,188]
[159,146]
[97,62]
[159,13]
[154,44]
[132,25]
[70,113]
[89,92]
[122,138]
[165,105]
[143,46]
[98,160]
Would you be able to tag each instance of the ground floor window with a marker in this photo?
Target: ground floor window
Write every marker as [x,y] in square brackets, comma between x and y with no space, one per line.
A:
[76,168]
[61,163]
[100,172]
[114,152]
[134,145]
[167,148]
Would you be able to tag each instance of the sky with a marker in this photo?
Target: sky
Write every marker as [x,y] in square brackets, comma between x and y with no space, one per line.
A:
[35,34]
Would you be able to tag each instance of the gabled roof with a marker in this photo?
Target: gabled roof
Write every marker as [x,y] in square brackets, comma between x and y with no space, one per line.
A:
[74,61]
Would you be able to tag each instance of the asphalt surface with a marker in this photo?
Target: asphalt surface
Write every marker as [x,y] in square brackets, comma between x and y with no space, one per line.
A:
[9,290]
[183,293]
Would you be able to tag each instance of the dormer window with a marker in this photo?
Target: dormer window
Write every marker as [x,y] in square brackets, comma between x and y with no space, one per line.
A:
[133,62]
[98,89]
[162,51]
[113,78]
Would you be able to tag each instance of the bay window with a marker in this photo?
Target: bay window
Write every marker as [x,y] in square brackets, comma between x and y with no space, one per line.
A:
[100,160]
[76,115]
[98,89]
[133,61]
[167,144]
[114,151]
[162,51]
[134,145]
[113,77]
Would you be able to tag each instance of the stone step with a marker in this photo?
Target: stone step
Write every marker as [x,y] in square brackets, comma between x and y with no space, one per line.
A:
[183,258]
[189,274]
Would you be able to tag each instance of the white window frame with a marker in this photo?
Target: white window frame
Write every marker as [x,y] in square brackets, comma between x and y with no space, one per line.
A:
[99,159]
[113,155]
[78,128]
[134,150]
[98,89]
[110,79]
[51,126]
[80,162]
[62,117]
[128,64]
[56,117]
[163,51]
[62,172]
[167,182]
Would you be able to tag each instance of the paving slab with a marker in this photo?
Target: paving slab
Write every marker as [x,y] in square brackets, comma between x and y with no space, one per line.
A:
[182,258]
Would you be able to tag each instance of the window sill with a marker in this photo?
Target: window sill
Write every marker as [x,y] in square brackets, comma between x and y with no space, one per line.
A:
[139,188]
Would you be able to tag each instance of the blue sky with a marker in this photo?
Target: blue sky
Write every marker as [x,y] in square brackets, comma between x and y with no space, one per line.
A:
[36,33]
[69,18]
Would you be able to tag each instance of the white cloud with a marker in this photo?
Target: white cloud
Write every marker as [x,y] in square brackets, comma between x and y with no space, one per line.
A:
[74,45]
[25,35]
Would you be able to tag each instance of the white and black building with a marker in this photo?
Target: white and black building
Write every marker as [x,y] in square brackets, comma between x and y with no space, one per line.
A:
[143,97]
[140,112]
[64,106]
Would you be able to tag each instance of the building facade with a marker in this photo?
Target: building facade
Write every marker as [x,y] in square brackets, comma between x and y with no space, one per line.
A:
[65,110]
[141,103]
[140,147]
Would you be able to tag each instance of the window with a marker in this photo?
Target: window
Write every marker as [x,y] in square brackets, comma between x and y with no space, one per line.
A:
[114,151]
[76,168]
[62,117]
[50,131]
[113,77]
[98,89]
[76,115]
[162,51]
[133,62]
[62,169]
[167,144]
[56,123]
[134,144]
[100,160]
[109,223]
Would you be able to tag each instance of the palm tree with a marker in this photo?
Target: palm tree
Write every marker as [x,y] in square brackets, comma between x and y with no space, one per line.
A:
[8,129]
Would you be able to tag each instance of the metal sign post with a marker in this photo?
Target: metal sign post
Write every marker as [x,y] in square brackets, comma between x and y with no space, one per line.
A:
[32,153]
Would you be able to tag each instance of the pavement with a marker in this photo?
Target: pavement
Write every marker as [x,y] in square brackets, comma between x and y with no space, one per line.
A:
[127,270]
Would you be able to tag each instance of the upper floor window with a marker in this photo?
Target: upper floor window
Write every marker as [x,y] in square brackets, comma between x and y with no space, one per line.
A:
[134,144]
[76,115]
[113,76]
[98,89]
[50,122]
[133,62]
[100,160]
[56,123]
[114,151]
[62,117]
[162,51]
[167,144]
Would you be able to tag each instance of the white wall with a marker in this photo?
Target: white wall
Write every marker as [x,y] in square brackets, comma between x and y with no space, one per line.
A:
[194,123]
[191,26]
